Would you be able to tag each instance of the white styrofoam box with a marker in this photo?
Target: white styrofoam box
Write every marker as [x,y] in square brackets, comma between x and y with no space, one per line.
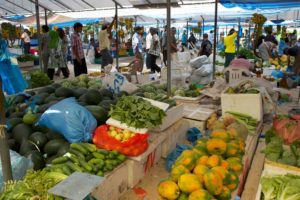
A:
[176,134]
[140,165]
[201,125]
[114,185]
[173,115]
[250,104]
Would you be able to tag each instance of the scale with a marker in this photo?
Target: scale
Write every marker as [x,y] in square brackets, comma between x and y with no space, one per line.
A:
[78,186]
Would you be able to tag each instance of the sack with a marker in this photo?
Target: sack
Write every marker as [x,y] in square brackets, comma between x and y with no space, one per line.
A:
[116,82]
[199,61]
[19,165]
[135,146]
[205,70]
[70,119]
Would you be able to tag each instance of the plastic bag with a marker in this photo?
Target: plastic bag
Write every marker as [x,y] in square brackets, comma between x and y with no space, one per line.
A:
[172,157]
[116,82]
[193,134]
[19,166]
[199,61]
[135,146]
[287,128]
[205,70]
[74,121]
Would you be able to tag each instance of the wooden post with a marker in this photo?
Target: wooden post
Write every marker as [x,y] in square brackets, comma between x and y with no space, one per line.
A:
[4,149]
[117,37]
[215,37]
[169,80]
[37,14]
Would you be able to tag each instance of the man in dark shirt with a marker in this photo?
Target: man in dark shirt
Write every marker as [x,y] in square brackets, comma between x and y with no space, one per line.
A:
[206,46]
[295,52]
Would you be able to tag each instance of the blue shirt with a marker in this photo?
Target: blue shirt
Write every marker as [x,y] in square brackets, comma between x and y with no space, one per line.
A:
[184,39]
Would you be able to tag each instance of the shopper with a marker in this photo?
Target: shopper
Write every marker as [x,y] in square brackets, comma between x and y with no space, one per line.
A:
[293,38]
[91,51]
[44,47]
[104,44]
[206,46]
[154,51]
[229,44]
[172,42]
[192,40]
[270,37]
[56,59]
[77,51]
[26,41]
[184,39]
[148,45]
[137,46]
[295,52]
[64,42]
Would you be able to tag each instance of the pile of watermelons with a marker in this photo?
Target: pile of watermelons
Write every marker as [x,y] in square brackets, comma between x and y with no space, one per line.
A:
[39,143]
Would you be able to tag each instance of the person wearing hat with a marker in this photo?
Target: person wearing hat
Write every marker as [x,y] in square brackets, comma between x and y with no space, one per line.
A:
[230,49]
[104,44]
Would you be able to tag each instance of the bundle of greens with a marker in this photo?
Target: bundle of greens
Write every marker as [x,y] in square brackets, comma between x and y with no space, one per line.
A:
[26,57]
[35,185]
[246,120]
[137,112]
[39,79]
[281,187]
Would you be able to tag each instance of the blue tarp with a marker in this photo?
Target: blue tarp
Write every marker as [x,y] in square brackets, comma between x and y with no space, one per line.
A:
[260,4]
[16,17]
[71,23]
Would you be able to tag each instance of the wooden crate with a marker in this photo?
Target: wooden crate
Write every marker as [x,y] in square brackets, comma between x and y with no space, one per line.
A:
[139,166]
[176,134]
[197,112]
[114,185]
[174,114]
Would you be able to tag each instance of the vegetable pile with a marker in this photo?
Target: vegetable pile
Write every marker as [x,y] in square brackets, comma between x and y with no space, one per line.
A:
[155,92]
[277,152]
[280,187]
[288,128]
[137,112]
[248,53]
[191,91]
[83,81]
[248,121]
[245,88]
[38,79]
[26,57]
[210,169]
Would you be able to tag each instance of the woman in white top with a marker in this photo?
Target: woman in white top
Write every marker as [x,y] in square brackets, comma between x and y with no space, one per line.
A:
[26,41]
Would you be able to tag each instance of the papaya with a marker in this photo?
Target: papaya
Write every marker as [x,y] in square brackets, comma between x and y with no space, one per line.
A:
[202,160]
[232,150]
[232,132]
[183,196]
[223,173]
[168,189]
[177,171]
[216,146]
[225,194]
[188,158]
[233,182]
[235,164]
[218,125]
[200,195]
[214,161]
[213,182]
[200,170]
[220,134]
[189,183]
[225,164]
[200,150]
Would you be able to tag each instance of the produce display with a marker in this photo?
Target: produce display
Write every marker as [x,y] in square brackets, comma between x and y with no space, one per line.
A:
[35,185]
[287,128]
[244,88]
[280,63]
[26,57]
[248,53]
[83,81]
[250,123]
[280,187]
[191,91]
[210,170]
[85,157]
[119,134]
[137,112]
[38,79]
[155,92]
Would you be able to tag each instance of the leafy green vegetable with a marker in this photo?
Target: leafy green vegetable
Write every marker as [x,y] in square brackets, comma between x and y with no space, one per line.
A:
[269,135]
[288,158]
[281,187]
[39,79]
[295,147]
[274,149]
[137,112]
[26,57]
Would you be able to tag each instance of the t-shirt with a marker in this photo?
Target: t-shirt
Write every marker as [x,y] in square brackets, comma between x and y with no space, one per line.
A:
[25,37]
[229,43]
[137,43]
[164,42]
[148,41]
[154,50]
[103,39]
[184,39]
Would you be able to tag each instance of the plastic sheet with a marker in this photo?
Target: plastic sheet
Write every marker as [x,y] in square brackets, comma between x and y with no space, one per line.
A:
[258,4]
[74,121]
[172,157]
[193,134]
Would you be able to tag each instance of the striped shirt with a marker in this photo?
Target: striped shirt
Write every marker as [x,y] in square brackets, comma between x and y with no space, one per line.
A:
[77,44]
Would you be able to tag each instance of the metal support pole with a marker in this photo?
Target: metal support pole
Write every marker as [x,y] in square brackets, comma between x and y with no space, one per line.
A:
[215,37]
[117,37]
[238,36]
[135,21]
[249,36]
[38,26]
[203,21]
[46,18]
[4,149]
[169,80]
[187,28]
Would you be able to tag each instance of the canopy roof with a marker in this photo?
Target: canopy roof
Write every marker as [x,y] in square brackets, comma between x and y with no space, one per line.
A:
[261,4]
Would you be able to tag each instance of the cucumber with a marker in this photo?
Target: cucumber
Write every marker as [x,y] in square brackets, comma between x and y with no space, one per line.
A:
[102,151]
[66,170]
[90,147]
[98,155]
[96,161]
[60,160]
[73,158]
[89,157]
[74,167]
[77,153]
[85,165]
[95,168]
[80,148]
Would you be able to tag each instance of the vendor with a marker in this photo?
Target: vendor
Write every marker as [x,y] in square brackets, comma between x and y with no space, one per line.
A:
[295,52]
[230,47]
[266,50]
